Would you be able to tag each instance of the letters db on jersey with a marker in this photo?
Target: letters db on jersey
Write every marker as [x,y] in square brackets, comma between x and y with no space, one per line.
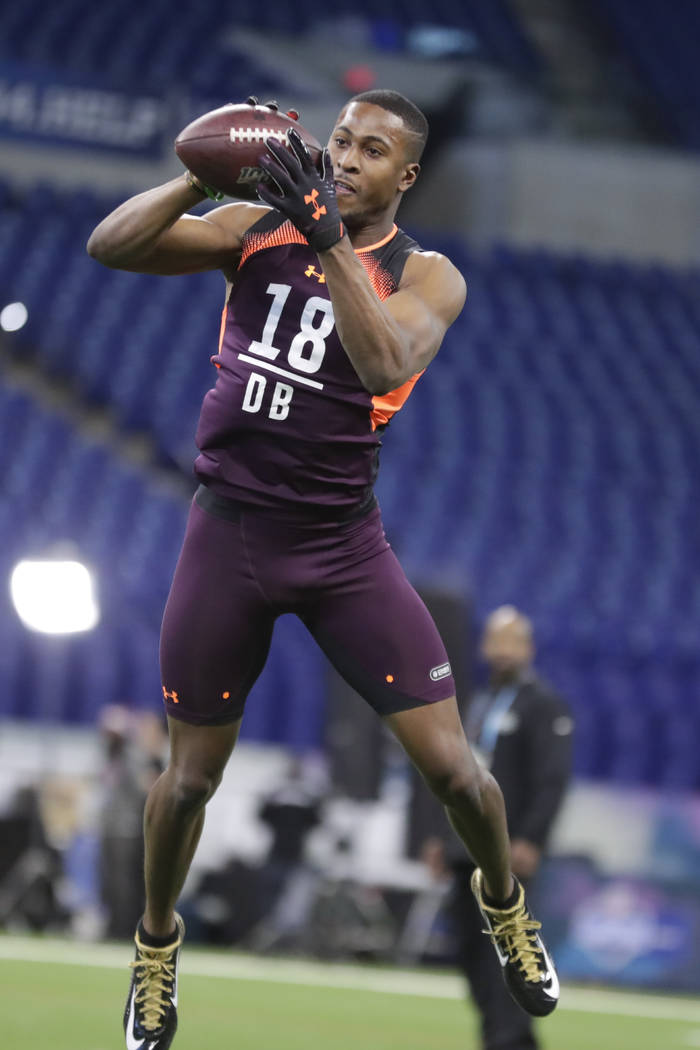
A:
[288,422]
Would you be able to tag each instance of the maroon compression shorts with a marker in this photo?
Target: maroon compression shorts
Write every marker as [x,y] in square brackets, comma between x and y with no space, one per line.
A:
[237,574]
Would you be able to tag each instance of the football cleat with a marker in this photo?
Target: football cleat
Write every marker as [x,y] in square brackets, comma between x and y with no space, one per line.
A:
[527,968]
[150,1017]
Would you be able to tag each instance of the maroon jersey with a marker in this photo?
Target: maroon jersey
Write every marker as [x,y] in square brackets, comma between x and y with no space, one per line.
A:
[288,425]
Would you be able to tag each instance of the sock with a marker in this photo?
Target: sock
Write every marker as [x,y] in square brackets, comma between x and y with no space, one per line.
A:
[154,942]
[502,905]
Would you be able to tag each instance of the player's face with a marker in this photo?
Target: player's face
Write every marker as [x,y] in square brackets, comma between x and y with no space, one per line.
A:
[507,648]
[368,148]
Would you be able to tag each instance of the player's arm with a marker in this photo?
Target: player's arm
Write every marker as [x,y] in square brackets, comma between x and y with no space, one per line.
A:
[150,233]
[389,341]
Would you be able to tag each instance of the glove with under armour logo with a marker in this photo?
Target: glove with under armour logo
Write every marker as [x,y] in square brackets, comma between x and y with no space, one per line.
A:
[306,197]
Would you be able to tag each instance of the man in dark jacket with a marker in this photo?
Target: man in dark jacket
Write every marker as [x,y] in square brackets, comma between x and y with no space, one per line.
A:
[522,730]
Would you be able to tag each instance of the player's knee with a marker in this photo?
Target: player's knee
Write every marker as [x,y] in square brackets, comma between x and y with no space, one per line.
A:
[193,787]
[459,787]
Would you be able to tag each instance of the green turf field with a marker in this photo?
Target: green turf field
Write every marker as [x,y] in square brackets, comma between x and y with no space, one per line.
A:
[238,1002]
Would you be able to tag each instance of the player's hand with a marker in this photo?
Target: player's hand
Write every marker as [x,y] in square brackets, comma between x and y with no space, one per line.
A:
[252,100]
[305,196]
[201,187]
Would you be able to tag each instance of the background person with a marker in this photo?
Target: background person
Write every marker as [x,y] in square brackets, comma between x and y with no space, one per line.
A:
[521,729]
[287,879]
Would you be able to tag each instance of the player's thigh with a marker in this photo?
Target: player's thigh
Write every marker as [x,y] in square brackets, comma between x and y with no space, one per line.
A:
[379,635]
[217,625]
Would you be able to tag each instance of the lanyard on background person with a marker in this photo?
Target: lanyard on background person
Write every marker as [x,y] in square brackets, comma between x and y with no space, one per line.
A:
[489,713]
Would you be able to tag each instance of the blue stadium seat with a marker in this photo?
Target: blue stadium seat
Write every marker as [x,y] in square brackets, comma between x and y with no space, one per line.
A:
[158,46]
[662,51]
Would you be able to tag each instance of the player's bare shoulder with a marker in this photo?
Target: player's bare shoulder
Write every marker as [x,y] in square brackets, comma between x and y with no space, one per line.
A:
[234,220]
[237,218]
[437,281]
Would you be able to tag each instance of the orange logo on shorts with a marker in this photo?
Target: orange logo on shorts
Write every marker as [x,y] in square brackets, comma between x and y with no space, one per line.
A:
[171,696]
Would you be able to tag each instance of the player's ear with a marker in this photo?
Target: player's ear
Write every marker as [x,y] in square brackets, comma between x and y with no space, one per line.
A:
[409,176]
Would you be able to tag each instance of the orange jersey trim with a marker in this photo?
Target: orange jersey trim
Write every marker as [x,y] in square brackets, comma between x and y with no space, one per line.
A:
[379,244]
[224,314]
[384,406]
[222,329]
[254,241]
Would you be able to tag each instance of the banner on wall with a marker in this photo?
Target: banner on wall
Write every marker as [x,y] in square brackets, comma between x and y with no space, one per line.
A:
[620,896]
[57,108]
[620,930]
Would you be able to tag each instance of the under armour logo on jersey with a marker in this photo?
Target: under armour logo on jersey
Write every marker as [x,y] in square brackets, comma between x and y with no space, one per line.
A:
[311,198]
[171,696]
[311,271]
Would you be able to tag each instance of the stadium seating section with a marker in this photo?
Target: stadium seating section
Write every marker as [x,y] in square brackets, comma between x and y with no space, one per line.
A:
[659,41]
[189,51]
[161,48]
[549,457]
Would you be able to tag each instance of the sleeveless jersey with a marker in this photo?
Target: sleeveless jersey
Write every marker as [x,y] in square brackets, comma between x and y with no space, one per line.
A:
[288,425]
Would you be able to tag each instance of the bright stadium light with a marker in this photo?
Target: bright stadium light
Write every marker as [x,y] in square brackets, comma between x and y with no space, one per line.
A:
[13,317]
[54,596]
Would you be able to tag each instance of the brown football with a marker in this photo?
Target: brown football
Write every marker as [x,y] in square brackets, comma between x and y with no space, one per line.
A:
[223,147]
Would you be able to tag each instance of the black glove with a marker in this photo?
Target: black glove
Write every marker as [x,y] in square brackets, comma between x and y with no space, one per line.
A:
[306,197]
[252,100]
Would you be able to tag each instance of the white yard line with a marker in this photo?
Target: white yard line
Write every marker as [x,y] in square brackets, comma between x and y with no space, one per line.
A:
[241,967]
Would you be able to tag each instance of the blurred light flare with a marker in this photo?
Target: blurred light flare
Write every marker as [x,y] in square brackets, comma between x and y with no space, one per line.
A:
[13,317]
[54,596]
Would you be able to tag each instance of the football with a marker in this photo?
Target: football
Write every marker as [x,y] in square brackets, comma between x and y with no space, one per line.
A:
[223,147]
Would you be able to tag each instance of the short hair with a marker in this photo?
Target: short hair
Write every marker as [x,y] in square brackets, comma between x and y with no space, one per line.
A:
[413,119]
[508,615]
